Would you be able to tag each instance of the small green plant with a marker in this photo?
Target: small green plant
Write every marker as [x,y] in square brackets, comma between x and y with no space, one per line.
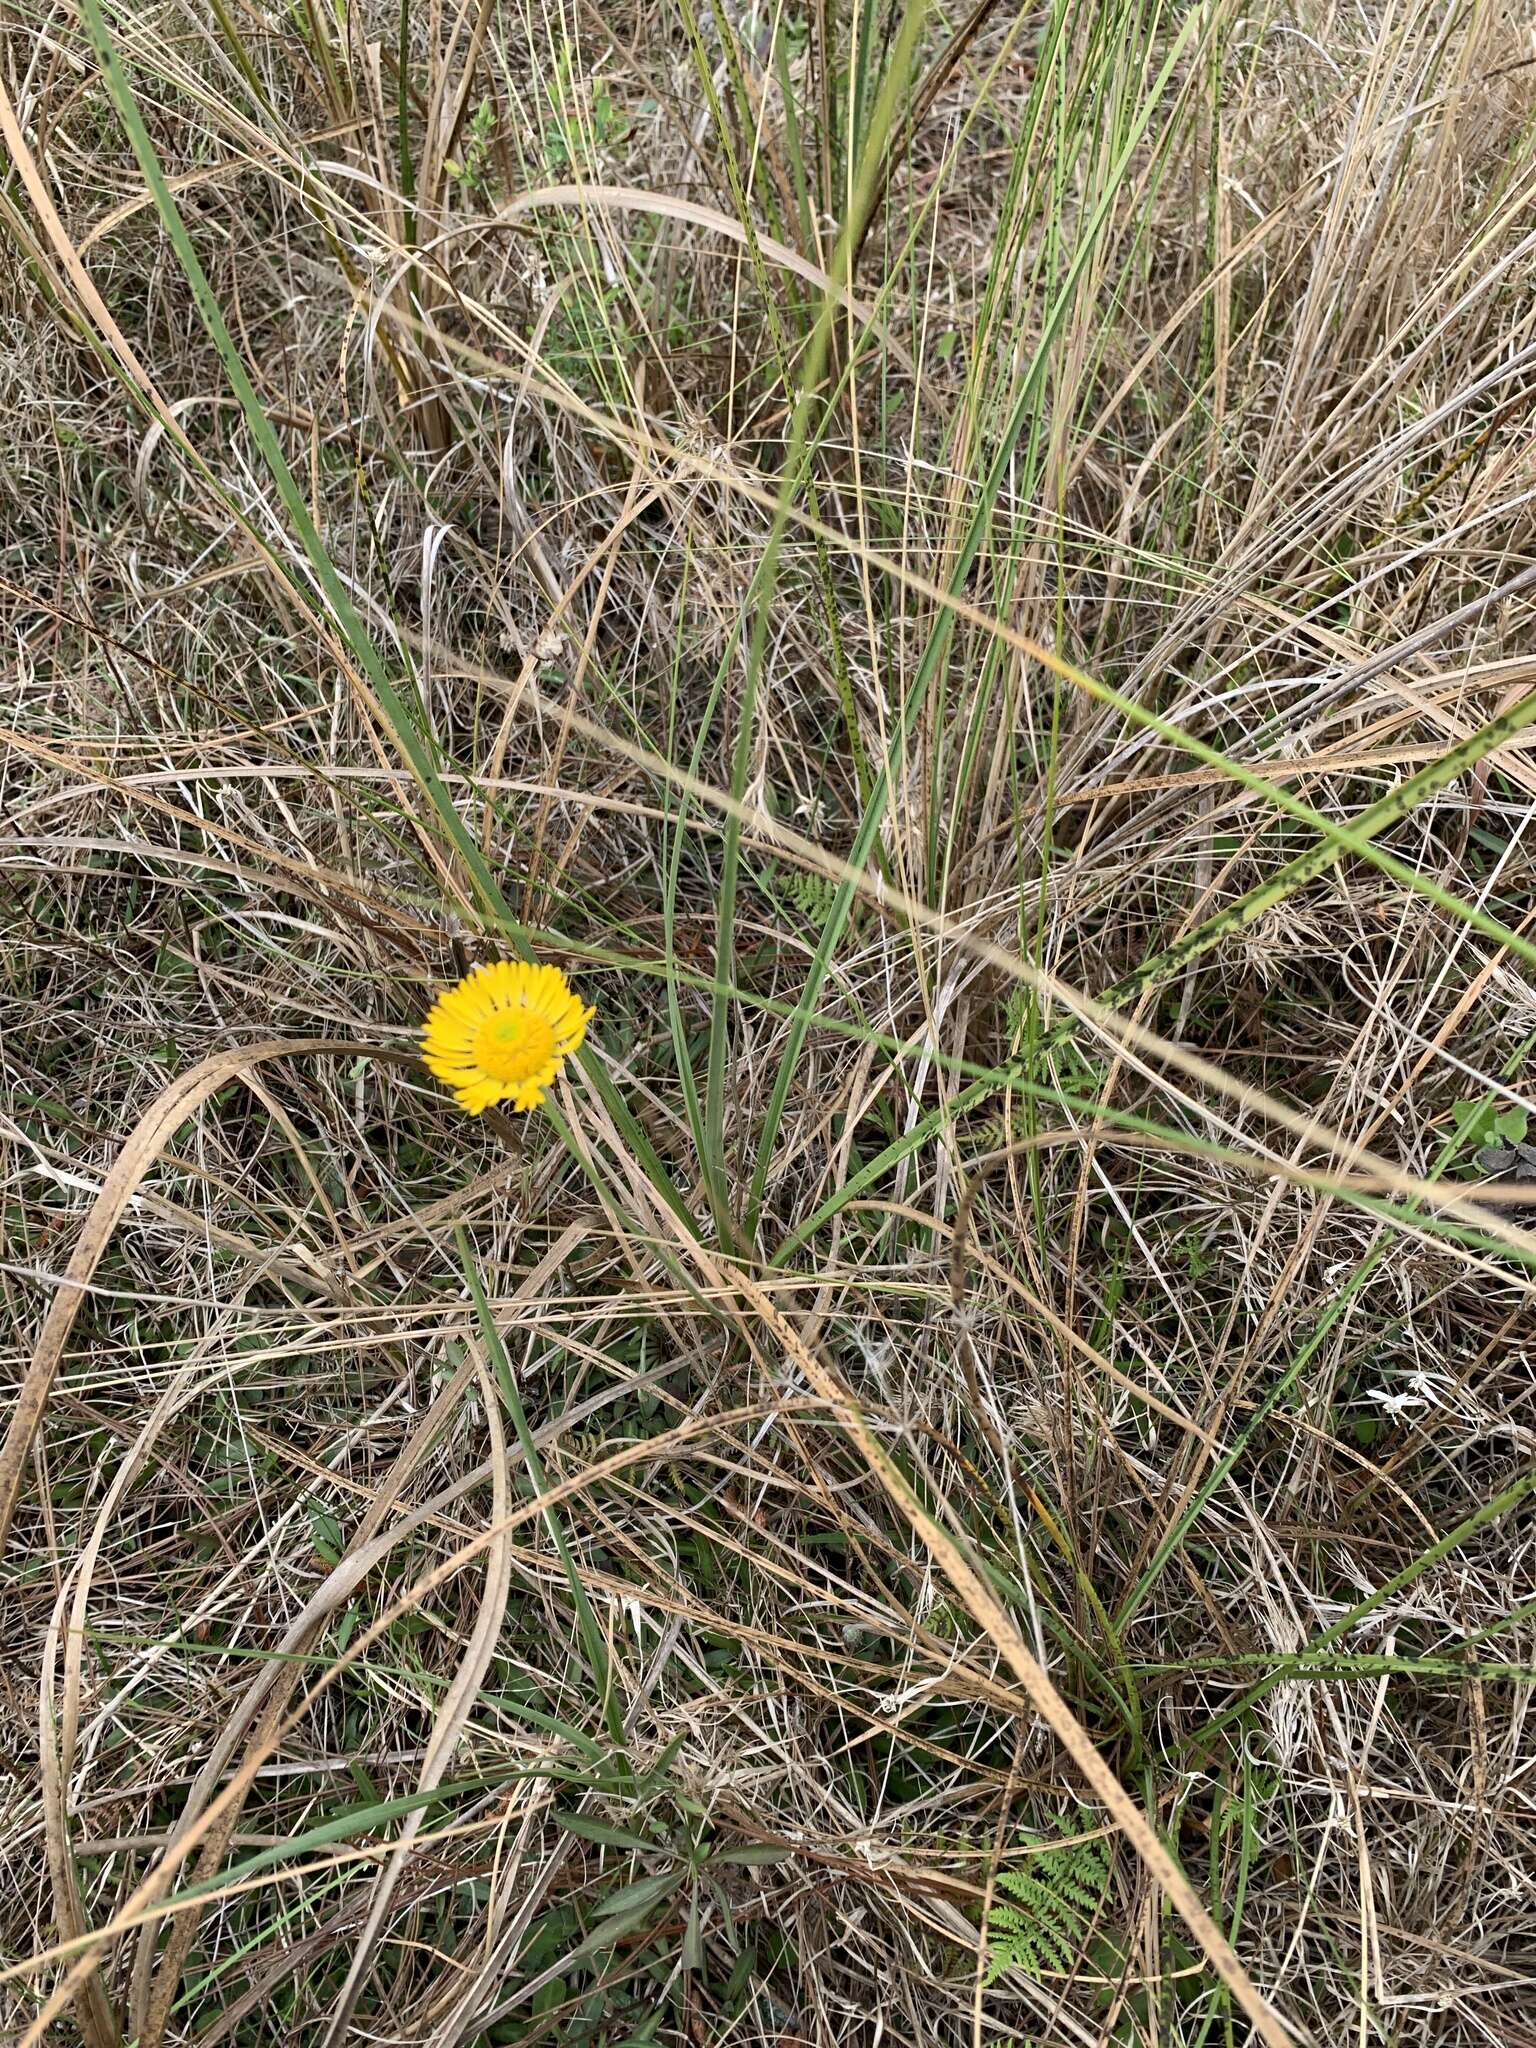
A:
[587,119]
[811,895]
[799,891]
[1480,1121]
[470,169]
[1192,1250]
[1490,1137]
[1047,1918]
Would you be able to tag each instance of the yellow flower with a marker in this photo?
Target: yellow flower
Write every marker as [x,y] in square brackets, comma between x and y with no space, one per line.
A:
[503,1034]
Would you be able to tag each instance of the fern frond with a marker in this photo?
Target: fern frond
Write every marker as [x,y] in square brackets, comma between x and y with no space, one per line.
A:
[1048,1915]
[810,895]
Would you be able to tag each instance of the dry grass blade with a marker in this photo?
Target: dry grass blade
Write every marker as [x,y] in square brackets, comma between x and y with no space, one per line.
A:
[93,2011]
[68,255]
[59,1735]
[264,1702]
[457,1706]
[154,1130]
[666,206]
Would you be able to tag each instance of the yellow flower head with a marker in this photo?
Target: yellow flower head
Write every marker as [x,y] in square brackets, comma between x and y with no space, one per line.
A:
[503,1034]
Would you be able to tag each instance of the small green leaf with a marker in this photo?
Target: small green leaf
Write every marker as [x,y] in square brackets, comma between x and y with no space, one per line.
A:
[602,1831]
[325,1533]
[548,1996]
[1480,1121]
[693,1935]
[644,1892]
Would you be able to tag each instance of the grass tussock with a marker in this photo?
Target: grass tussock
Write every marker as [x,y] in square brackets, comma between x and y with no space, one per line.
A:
[970,577]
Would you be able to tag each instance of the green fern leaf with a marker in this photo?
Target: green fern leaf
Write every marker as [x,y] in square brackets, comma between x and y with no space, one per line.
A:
[1052,1904]
[811,895]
